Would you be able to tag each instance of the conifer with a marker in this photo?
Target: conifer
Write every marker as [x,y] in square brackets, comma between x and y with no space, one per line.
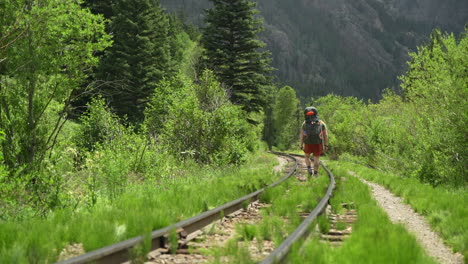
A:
[234,52]
[139,58]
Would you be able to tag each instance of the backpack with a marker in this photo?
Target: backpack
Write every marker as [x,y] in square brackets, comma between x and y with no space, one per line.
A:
[312,131]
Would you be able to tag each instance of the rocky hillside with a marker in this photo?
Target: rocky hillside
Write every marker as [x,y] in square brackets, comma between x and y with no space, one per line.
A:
[356,47]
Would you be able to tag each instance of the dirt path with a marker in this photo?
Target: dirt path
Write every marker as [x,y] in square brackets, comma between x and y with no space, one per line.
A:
[399,212]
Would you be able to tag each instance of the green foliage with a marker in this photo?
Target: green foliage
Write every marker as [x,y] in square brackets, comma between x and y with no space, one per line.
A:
[98,126]
[374,238]
[197,121]
[185,48]
[141,208]
[139,58]
[46,62]
[323,224]
[3,170]
[52,46]
[246,232]
[268,123]
[437,83]
[421,134]
[346,123]
[233,51]
[444,207]
[286,118]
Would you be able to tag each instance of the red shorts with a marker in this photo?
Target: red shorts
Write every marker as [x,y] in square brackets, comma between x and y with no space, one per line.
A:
[316,149]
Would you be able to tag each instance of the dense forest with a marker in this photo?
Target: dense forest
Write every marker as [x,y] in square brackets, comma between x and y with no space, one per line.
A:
[99,99]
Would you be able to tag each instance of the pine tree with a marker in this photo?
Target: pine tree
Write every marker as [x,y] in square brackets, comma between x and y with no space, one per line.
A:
[139,58]
[234,52]
[103,7]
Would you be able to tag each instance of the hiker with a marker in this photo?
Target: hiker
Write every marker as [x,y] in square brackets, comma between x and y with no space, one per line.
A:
[313,138]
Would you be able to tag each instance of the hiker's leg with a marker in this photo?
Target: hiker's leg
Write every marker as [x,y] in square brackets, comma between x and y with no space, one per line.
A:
[307,160]
[316,163]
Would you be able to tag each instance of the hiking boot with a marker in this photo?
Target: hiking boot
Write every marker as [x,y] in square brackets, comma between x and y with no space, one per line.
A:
[310,171]
[316,173]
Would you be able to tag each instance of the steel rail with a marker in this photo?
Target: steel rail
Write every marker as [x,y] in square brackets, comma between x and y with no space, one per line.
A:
[120,252]
[280,253]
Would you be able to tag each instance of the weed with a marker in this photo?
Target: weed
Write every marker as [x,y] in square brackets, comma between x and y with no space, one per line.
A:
[324,224]
[173,241]
[246,232]
[340,226]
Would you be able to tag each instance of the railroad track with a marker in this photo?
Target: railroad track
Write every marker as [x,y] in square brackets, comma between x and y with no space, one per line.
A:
[189,228]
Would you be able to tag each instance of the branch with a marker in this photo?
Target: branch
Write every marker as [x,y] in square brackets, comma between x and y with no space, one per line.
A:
[47,105]
[14,40]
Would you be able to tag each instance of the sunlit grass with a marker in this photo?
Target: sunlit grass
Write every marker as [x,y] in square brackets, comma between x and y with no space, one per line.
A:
[279,220]
[142,208]
[374,238]
[444,207]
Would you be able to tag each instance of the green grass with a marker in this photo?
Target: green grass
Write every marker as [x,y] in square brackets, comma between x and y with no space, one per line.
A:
[374,239]
[142,208]
[444,207]
[279,220]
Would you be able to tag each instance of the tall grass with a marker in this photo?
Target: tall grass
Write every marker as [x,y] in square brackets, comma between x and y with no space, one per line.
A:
[279,220]
[444,207]
[142,208]
[374,239]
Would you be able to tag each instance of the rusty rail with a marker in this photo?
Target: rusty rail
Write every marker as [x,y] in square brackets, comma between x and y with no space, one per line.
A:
[120,252]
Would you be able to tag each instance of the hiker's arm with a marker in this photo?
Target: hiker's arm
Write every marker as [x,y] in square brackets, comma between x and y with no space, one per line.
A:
[301,139]
[325,139]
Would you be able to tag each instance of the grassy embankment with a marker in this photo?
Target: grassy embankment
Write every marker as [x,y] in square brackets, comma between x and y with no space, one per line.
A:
[374,238]
[144,207]
[444,207]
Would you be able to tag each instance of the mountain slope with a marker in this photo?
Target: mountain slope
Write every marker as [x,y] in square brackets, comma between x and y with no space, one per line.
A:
[345,47]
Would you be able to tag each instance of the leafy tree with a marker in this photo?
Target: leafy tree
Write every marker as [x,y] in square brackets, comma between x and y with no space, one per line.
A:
[198,121]
[286,118]
[139,58]
[268,124]
[421,134]
[184,46]
[234,52]
[345,118]
[437,83]
[53,48]
[98,125]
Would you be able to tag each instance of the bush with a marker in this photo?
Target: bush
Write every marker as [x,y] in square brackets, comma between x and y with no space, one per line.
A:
[286,118]
[98,125]
[346,123]
[198,121]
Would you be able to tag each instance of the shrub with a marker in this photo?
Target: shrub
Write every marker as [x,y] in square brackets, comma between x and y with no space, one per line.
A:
[197,121]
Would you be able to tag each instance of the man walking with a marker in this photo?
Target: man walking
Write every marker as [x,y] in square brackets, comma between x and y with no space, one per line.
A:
[313,138]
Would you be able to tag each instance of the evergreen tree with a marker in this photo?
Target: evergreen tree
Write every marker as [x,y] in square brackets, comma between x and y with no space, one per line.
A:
[234,52]
[139,58]
[103,7]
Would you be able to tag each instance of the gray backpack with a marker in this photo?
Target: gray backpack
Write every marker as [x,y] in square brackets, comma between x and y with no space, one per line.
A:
[312,131]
